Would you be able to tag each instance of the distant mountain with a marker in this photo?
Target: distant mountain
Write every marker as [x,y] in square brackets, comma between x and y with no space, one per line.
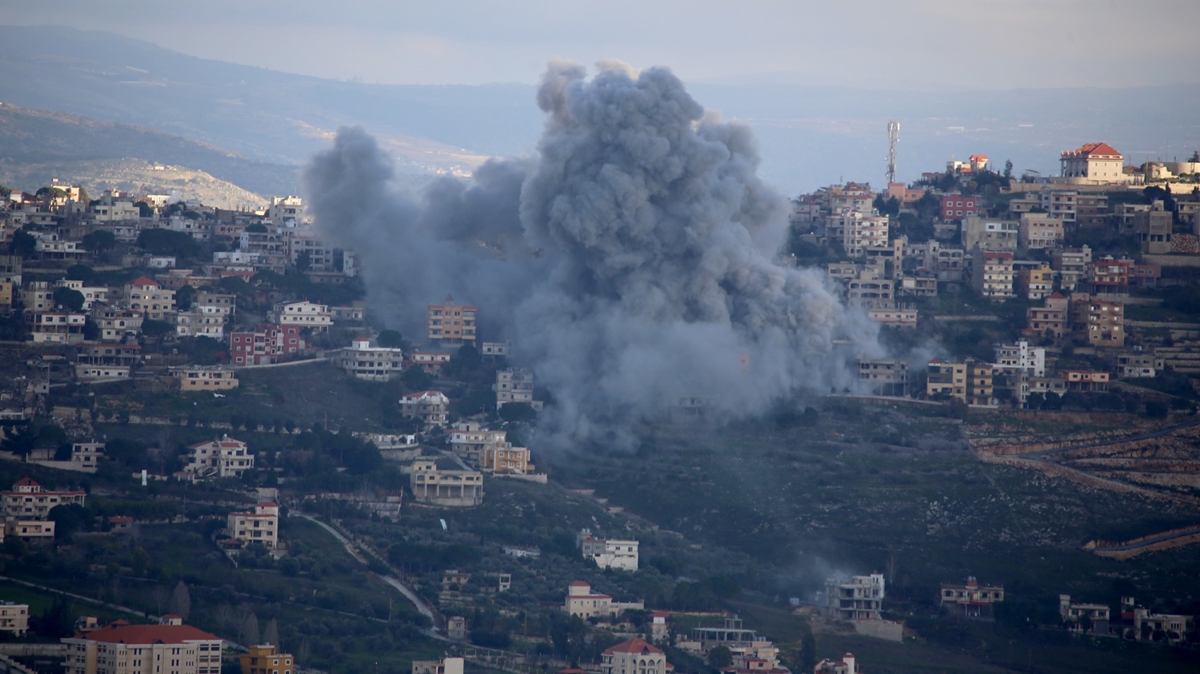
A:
[36,142]
[809,135]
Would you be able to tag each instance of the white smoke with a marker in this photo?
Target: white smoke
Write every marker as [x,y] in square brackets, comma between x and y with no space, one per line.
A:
[632,261]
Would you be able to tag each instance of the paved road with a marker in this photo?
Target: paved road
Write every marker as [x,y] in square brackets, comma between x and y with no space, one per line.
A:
[1115,441]
[1149,541]
[354,550]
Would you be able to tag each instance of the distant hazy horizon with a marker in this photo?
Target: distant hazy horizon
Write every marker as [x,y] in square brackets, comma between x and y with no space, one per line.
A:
[896,44]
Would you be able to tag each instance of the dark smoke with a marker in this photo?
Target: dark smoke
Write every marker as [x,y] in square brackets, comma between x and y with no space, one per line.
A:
[632,262]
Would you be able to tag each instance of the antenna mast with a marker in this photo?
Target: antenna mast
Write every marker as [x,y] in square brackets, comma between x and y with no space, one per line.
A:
[893,138]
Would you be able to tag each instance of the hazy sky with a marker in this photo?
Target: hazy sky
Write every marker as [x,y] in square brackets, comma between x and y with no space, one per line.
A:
[896,43]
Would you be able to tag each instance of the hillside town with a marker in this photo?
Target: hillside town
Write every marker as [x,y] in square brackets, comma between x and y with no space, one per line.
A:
[995,293]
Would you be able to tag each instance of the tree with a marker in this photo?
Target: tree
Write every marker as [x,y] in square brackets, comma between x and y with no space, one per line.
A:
[23,244]
[303,261]
[1195,156]
[184,297]
[69,299]
[155,328]
[99,241]
[416,379]
[144,209]
[248,630]
[22,440]
[271,633]
[81,272]
[517,412]
[720,657]
[1008,168]
[181,601]
[390,339]
[167,242]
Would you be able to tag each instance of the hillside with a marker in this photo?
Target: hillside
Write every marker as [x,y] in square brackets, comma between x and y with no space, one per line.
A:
[132,175]
[36,145]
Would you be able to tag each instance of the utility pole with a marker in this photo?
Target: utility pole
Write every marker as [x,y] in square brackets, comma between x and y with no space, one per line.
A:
[893,139]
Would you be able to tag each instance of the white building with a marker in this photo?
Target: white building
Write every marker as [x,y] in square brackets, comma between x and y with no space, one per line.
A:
[14,618]
[514,385]
[854,598]
[304,314]
[430,407]
[634,656]
[371,363]
[1094,162]
[220,458]
[609,553]
[258,526]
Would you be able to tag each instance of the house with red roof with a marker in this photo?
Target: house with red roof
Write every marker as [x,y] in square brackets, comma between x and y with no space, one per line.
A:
[27,500]
[144,294]
[1095,163]
[121,648]
[634,656]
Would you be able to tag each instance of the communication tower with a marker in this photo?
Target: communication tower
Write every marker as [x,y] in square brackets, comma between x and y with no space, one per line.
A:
[893,138]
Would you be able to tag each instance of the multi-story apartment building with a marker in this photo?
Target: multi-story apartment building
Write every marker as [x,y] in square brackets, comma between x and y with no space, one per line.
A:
[14,618]
[506,459]
[264,659]
[992,274]
[634,656]
[225,457]
[87,455]
[258,526]
[869,292]
[1037,231]
[117,325]
[450,324]
[1154,229]
[1111,276]
[469,440]
[1036,283]
[144,294]
[990,235]
[969,381]
[1101,322]
[459,488]
[514,385]
[854,598]
[428,406]
[885,377]
[56,327]
[140,649]
[1072,265]
[1085,381]
[582,602]
[1052,319]
[311,315]
[1074,613]
[269,343]
[970,599]
[862,232]
[371,363]
[956,207]
[1140,364]
[27,500]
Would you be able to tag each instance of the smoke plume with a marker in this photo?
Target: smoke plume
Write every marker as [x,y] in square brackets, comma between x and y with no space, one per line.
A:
[632,261]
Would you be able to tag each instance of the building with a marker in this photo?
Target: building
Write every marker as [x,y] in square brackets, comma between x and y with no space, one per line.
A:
[1050,320]
[470,440]
[1078,615]
[117,325]
[514,385]
[863,232]
[1072,265]
[443,666]
[1111,276]
[430,407]
[1085,381]
[225,457]
[27,500]
[634,656]
[1154,228]
[956,207]
[56,327]
[1139,364]
[258,526]
[87,454]
[458,488]
[990,235]
[263,659]
[428,360]
[14,618]
[204,378]
[1170,627]
[1035,283]
[269,343]
[370,363]
[506,459]
[1038,231]
[1098,163]
[315,317]
[969,381]
[121,648]
[450,324]
[854,598]
[147,296]
[992,274]
[1103,322]
[970,599]
[582,602]
[847,665]
[608,553]
[886,377]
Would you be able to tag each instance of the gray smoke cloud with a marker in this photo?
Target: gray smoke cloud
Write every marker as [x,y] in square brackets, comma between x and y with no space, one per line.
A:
[632,261]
